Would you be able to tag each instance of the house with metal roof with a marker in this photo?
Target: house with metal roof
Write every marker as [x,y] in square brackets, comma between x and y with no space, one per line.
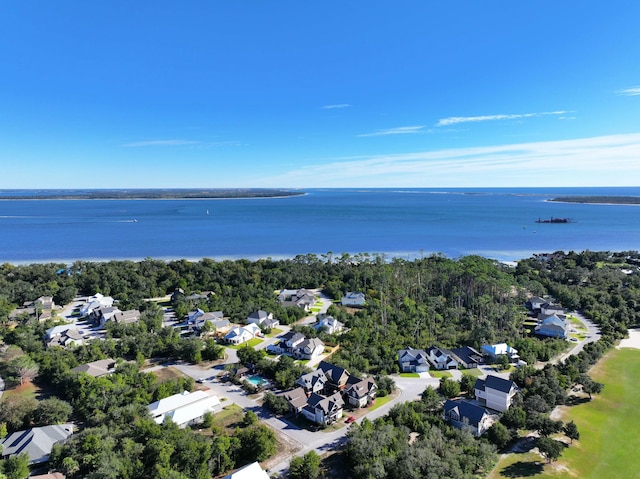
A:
[36,442]
[185,408]
[552,326]
[250,471]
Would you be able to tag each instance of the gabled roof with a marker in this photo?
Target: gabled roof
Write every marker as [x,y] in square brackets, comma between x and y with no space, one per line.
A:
[35,442]
[552,319]
[466,410]
[183,407]
[467,354]
[51,475]
[410,354]
[333,373]
[360,388]
[260,315]
[325,404]
[126,317]
[496,383]
[252,471]
[311,344]
[296,397]
[499,349]
[61,328]
[437,352]
[98,368]
[309,380]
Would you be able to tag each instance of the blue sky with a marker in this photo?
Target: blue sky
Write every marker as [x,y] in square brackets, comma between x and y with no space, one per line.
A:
[325,94]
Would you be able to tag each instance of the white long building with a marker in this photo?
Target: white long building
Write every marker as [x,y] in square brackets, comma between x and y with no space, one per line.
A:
[185,408]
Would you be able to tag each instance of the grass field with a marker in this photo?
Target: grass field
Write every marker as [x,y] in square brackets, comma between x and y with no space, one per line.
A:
[252,343]
[409,375]
[609,428]
[229,418]
[440,374]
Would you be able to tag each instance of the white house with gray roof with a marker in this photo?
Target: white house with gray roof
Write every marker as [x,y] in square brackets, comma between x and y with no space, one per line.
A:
[495,392]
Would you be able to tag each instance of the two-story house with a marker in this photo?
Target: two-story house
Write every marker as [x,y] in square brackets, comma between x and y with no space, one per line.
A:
[324,410]
[413,360]
[361,392]
[468,416]
[495,392]
[441,358]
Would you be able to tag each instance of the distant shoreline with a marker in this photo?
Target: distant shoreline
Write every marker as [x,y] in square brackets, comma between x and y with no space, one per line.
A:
[153,194]
[599,200]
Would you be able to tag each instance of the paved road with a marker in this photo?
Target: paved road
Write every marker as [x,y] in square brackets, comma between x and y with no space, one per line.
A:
[593,335]
[302,440]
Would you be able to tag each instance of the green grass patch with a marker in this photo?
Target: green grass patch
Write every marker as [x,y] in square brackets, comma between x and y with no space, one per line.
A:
[409,375]
[316,310]
[252,343]
[230,417]
[381,402]
[609,426]
[440,374]
[518,465]
[274,332]
[472,372]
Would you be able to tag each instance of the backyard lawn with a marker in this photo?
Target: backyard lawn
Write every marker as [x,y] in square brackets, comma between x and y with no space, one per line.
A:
[609,427]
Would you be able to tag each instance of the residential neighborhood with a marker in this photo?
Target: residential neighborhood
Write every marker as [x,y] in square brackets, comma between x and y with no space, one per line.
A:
[283,363]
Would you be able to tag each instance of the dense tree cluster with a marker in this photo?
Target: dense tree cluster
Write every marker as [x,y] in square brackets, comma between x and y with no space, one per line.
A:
[428,301]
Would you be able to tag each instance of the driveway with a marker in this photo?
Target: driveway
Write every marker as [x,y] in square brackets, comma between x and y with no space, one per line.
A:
[302,440]
[593,335]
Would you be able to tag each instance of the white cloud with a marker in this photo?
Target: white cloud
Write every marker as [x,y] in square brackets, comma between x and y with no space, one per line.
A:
[339,105]
[454,120]
[598,161]
[635,91]
[137,144]
[402,130]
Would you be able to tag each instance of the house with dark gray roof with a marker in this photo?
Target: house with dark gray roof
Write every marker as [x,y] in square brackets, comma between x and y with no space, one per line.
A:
[313,382]
[301,298]
[464,415]
[467,357]
[495,392]
[324,410]
[336,375]
[36,442]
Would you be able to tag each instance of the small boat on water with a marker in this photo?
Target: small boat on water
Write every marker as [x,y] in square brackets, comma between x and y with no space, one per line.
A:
[553,220]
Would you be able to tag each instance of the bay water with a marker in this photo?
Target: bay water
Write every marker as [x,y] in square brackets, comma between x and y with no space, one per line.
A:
[497,223]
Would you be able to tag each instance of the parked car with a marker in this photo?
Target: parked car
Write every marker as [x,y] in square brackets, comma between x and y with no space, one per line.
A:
[350,419]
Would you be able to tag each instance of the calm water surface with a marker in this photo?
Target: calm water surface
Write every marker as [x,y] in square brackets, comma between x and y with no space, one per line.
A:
[497,223]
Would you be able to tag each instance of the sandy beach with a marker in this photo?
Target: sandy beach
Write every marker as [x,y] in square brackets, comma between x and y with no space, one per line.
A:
[633,341]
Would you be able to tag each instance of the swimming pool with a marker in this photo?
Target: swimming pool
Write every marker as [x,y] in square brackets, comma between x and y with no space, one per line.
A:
[257,380]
